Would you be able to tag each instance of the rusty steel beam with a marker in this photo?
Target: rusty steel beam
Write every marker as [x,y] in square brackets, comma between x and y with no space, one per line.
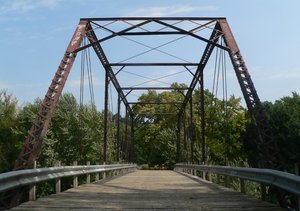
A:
[269,151]
[156,113]
[192,140]
[33,143]
[178,142]
[95,41]
[155,103]
[152,64]
[204,59]
[118,129]
[154,18]
[105,124]
[192,34]
[202,115]
[132,151]
[105,63]
[153,88]
[151,33]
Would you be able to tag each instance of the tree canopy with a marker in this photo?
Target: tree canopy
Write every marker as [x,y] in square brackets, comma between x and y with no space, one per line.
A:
[76,131]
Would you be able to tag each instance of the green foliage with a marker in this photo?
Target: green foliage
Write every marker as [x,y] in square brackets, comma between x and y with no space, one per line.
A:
[74,134]
[225,124]
[9,143]
[284,117]
[76,131]
[156,136]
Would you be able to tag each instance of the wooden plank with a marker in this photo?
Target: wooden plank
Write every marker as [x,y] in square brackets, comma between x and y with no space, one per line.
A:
[149,190]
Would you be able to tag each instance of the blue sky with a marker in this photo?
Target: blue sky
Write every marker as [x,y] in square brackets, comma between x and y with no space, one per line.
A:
[35,33]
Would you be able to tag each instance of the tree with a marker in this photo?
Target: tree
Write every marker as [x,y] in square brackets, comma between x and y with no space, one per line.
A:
[284,117]
[225,124]
[9,142]
[156,136]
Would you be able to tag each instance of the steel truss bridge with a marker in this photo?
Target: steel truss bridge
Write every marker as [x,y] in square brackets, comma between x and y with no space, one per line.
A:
[218,35]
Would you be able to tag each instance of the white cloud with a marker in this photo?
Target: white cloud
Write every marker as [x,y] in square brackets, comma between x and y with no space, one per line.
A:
[169,10]
[23,6]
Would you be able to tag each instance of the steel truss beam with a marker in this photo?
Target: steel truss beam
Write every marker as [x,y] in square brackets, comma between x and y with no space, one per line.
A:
[152,64]
[269,153]
[155,103]
[101,55]
[267,145]
[114,34]
[157,113]
[33,143]
[153,88]
[155,18]
[205,56]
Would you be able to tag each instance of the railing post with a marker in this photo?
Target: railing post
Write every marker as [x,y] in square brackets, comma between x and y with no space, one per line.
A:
[242,185]
[263,192]
[75,178]
[203,172]
[58,181]
[88,176]
[242,181]
[32,188]
[209,176]
[104,173]
[218,178]
[97,174]
[297,172]
[227,181]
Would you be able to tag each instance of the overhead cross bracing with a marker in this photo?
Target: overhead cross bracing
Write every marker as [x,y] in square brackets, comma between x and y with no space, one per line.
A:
[131,33]
[140,54]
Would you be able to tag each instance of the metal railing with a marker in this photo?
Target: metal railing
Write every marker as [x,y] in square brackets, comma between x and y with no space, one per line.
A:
[283,180]
[31,177]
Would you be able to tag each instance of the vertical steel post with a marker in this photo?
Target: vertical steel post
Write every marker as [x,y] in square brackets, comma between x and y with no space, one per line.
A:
[191,129]
[132,141]
[118,129]
[126,137]
[202,117]
[178,147]
[105,116]
[185,137]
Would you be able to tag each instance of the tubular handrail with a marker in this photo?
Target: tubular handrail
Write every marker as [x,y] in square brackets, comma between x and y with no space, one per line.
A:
[284,180]
[15,179]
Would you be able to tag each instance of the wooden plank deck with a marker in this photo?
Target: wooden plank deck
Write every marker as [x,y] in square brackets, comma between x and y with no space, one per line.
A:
[149,190]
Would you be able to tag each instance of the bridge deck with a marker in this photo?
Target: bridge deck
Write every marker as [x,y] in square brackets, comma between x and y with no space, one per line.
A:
[149,190]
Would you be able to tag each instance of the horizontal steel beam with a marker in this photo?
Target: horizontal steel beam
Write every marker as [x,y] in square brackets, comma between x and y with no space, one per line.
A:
[286,181]
[15,179]
[154,18]
[153,88]
[158,103]
[151,33]
[156,113]
[154,64]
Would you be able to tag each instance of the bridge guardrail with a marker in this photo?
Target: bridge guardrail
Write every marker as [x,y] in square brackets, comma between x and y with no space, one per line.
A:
[286,181]
[15,179]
